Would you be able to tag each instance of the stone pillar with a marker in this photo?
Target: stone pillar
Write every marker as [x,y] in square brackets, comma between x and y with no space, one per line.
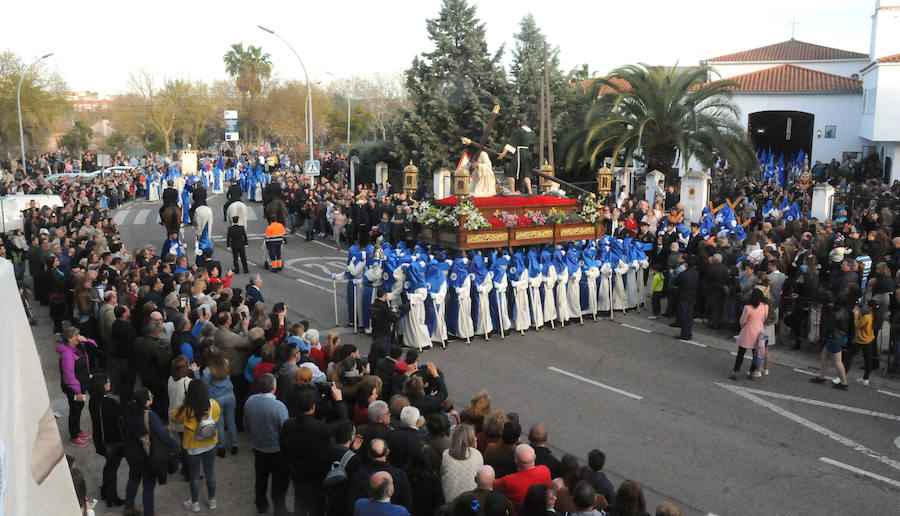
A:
[694,194]
[381,173]
[822,201]
[650,181]
[441,183]
[623,177]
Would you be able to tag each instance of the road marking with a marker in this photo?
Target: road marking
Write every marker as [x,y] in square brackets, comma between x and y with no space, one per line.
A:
[329,246]
[810,373]
[636,328]
[693,343]
[858,471]
[251,214]
[734,353]
[815,427]
[889,393]
[120,216]
[595,383]
[825,404]
[141,217]
[314,285]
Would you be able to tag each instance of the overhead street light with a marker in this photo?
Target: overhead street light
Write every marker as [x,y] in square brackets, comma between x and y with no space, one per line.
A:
[19,105]
[309,119]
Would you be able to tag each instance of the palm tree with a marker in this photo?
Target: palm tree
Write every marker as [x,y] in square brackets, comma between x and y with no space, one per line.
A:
[248,68]
[656,114]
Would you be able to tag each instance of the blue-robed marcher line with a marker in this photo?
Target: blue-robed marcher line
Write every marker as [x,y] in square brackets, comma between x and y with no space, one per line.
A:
[459,304]
[499,305]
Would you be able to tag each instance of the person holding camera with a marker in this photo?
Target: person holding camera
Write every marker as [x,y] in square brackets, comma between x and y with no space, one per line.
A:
[304,440]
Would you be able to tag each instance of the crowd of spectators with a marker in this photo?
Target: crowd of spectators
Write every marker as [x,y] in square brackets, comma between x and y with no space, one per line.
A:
[379,434]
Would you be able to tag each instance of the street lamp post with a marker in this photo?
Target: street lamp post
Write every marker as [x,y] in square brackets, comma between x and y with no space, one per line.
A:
[19,105]
[309,132]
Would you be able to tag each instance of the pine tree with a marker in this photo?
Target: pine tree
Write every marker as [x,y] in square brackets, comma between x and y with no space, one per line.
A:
[527,75]
[452,91]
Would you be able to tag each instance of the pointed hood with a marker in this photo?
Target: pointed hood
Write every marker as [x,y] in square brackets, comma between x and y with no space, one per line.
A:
[534,265]
[546,260]
[415,277]
[458,273]
[353,254]
[571,259]
[370,255]
[434,277]
[478,269]
[517,265]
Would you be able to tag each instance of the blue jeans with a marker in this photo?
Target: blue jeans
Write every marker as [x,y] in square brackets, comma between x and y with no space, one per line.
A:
[207,460]
[226,422]
[739,359]
[138,472]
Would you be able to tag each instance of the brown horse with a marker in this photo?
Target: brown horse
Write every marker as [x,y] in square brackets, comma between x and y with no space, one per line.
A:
[171,218]
[276,211]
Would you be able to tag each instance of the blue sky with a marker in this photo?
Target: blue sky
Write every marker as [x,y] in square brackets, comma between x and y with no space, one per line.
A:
[98,43]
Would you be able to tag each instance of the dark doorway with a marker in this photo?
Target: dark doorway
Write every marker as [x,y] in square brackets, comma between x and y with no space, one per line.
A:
[784,132]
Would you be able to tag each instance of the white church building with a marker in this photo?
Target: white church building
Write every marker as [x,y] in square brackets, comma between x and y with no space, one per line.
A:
[831,103]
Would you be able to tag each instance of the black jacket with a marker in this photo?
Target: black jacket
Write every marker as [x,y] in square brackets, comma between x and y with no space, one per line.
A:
[432,403]
[687,283]
[237,237]
[234,193]
[382,318]
[169,196]
[122,337]
[106,420]
[153,358]
[305,440]
[544,457]
[404,443]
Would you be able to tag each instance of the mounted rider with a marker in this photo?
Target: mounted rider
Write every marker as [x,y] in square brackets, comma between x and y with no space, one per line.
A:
[169,198]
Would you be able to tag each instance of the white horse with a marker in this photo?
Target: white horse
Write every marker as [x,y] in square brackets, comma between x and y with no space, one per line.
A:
[238,209]
[203,217]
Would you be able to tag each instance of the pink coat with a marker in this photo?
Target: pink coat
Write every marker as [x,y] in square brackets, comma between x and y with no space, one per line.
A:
[753,321]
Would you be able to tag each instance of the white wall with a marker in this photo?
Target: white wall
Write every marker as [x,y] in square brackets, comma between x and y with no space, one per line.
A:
[885,29]
[843,68]
[840,109]
[884,124]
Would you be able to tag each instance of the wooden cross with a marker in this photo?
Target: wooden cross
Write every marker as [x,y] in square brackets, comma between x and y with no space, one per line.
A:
[731,204]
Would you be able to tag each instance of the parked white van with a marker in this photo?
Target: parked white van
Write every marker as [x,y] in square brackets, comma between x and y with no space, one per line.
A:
[11,207]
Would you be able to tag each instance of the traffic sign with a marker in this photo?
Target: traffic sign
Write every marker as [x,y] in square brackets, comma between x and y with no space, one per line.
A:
[312,168]
[231,126]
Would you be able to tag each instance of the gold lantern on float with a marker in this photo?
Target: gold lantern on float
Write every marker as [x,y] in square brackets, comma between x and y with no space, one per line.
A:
[410,178]
[545,182]
[604,181]
[461,182]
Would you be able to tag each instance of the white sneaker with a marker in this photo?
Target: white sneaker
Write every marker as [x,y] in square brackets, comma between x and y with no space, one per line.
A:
[835,380]
[653,317]
[191,506]
[765,372]
[862,381]
[212,504]
[757,374]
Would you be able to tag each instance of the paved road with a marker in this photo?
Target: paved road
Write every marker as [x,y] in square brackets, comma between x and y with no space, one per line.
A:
[663,410]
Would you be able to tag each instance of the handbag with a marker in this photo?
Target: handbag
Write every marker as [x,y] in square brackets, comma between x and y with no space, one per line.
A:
[145,439]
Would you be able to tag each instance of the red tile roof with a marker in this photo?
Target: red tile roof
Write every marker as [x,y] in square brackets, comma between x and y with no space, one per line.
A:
[894,58]
[605,89]
[790,50]
[788,78]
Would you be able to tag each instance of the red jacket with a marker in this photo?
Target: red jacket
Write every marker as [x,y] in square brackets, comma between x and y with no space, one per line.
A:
[516,485]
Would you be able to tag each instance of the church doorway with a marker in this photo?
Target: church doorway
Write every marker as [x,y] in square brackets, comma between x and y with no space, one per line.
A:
[784,132]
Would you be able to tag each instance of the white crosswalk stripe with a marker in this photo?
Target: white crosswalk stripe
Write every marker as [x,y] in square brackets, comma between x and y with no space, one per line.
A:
[141,217]
[120,216]
[251,213]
